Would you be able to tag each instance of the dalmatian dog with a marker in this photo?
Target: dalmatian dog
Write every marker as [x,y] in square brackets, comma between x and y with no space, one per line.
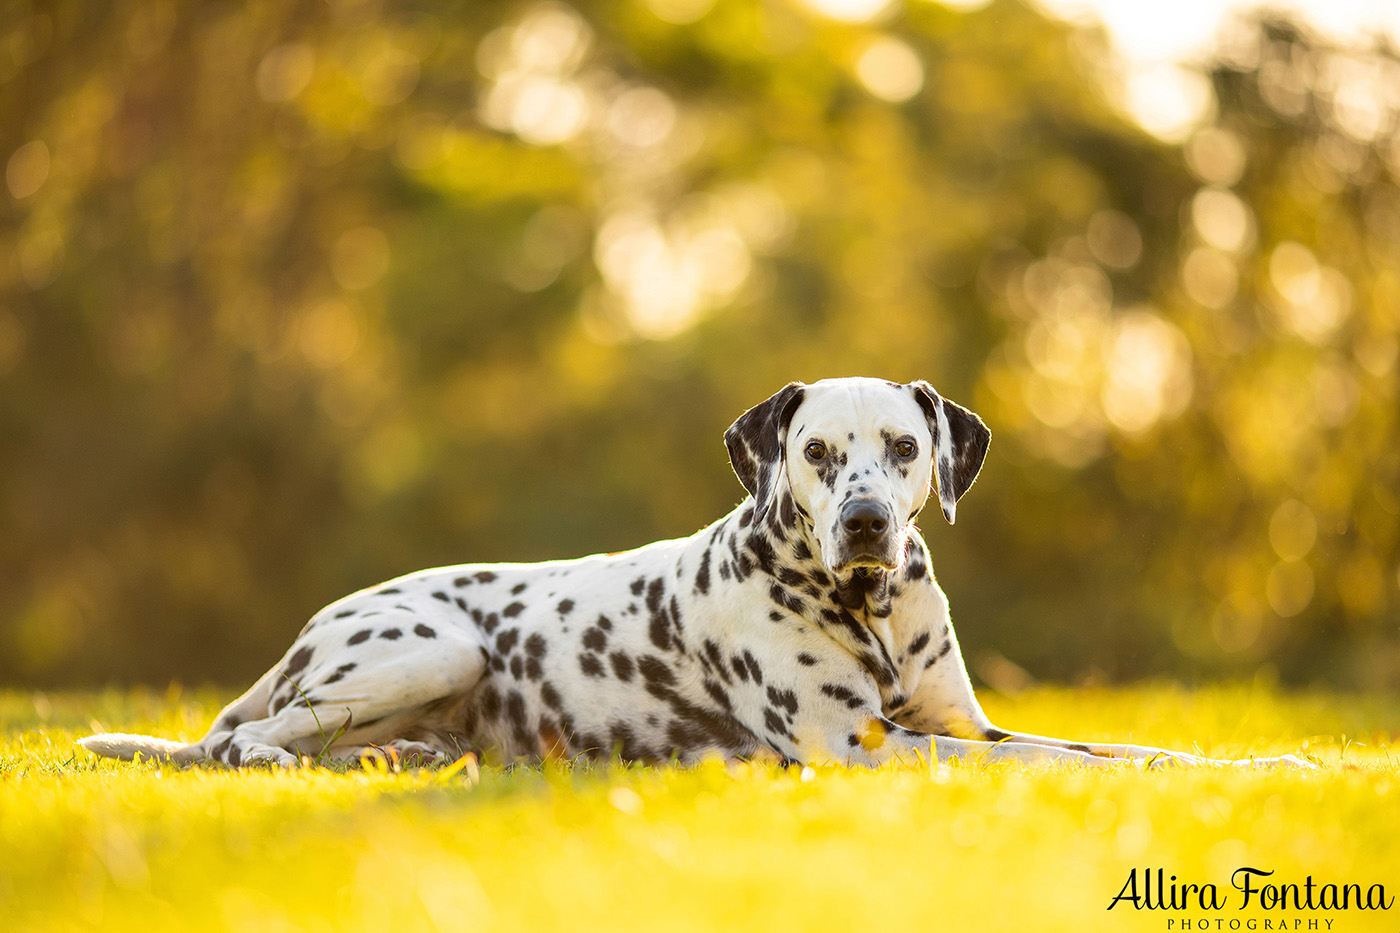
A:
[806,622]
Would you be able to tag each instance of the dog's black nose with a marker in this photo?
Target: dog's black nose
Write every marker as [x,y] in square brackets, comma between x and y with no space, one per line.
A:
[864,519]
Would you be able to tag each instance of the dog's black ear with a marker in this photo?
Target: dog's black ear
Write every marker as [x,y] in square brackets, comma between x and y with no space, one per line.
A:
[960,442]
[756,442]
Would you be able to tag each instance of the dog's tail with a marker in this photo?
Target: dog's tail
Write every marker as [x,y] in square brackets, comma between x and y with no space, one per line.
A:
[127,747]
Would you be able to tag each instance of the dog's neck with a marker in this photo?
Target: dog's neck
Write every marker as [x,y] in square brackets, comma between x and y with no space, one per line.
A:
[853,607]
[864,588]
[784,545]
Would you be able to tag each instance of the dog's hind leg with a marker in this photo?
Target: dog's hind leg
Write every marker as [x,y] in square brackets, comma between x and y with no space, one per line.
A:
[251,705]
[339,694]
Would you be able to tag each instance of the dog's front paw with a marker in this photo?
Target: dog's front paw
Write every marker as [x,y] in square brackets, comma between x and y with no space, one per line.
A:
[1287,762]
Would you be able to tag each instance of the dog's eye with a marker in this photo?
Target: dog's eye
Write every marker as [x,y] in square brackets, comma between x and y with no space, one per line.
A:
[815,451]
[906,449]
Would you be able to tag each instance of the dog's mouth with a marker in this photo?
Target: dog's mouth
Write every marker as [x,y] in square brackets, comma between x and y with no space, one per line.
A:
[877,555]
[865,563]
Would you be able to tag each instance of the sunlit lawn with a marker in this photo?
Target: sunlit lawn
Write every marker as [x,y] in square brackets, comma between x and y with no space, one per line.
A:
[88,843]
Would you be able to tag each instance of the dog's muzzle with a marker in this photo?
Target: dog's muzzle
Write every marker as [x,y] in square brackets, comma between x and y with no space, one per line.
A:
[866,535]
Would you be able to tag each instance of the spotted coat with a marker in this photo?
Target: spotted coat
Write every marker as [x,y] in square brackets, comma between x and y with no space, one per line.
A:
[806,623]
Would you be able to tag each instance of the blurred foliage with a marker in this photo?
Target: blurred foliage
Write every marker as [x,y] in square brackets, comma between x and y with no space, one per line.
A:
[298,296]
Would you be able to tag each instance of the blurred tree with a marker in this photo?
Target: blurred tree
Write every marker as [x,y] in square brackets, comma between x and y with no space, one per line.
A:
[299,296]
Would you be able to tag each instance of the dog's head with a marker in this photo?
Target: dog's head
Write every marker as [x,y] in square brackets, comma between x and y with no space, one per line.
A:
[857,457]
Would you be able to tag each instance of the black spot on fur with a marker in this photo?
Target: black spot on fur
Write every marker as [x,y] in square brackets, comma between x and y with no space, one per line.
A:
[741,668]
[702,575]
[659,632]
[235,755]
[361,636]
[390,591]
[843,695]
[656,592]
[590,665]
[518,589]
[515,713]
[638,585]
[422,631]
[995,735]
[716,660]
[297,662]
[533,670]
[442,596]
[805,659]
[462,581]
[346,614]
[880,666]
[505,642]
[535,645]
[621,665]
[391,634]
[490,702]
[920,643]
[513,610]
[517,667]
[550,696]
[340,673]
[484,576]
[787,511]
[791,576]
[787,699]
[754,670]
[604,623]
[842,619]
[717,693]
[762,550]
[785,598]
[488,624]
[565,607]
[594,639]
[657,674]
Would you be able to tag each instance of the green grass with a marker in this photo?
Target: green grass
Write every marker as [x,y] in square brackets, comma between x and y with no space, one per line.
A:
[88,843]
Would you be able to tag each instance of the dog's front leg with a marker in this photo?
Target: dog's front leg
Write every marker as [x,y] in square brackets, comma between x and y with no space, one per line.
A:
[873,740]
[943,703]
[841,720]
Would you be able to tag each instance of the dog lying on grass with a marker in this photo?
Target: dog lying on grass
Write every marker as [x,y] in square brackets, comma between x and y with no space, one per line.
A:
[807,622]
